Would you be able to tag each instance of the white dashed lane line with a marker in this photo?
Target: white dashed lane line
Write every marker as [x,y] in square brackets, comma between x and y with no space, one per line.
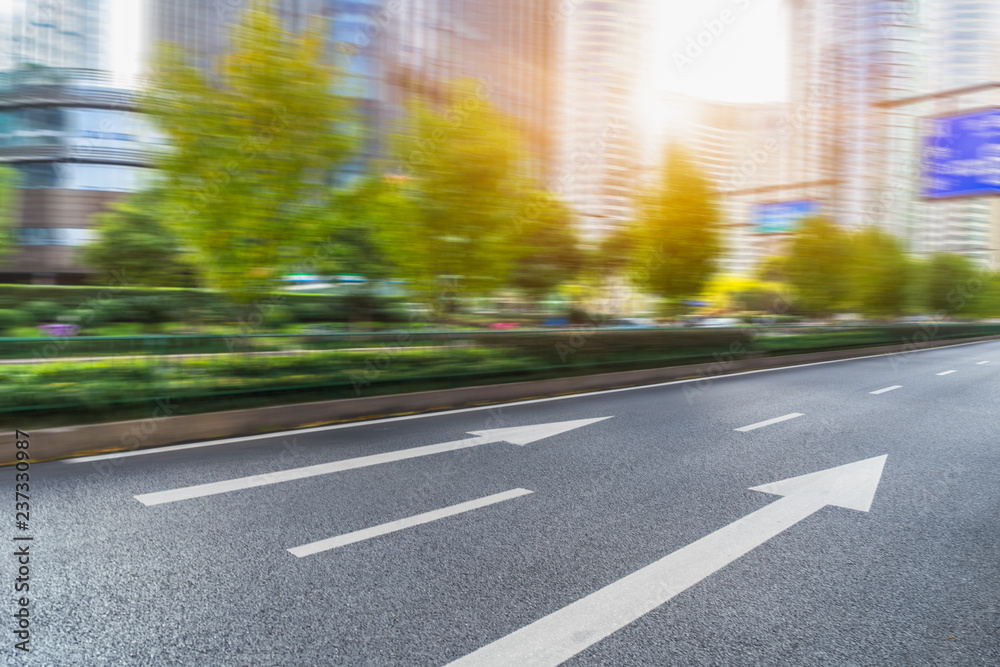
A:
[980,363]
[882,391]
[401,524]
[768,422]
[946,373]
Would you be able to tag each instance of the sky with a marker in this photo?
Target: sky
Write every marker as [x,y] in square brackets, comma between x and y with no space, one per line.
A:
[728,50]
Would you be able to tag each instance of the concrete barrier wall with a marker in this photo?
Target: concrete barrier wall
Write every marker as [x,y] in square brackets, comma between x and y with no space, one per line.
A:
[163,429]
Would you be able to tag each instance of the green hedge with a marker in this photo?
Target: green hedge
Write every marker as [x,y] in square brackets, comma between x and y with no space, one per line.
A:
[367,364]
[93,306]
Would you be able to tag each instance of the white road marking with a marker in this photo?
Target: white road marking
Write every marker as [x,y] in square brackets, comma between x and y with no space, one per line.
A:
[491,406]
[946,373]
[768,422]
[518,435]
[556,638]
[882,391]
[393,526]
[980,363]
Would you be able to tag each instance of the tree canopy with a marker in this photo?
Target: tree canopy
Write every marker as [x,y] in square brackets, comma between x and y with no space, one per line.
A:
[460,180]
[818,266]
[133,239]
[678,232]
[550,252]
[880,273]
[253,144]
[947,273]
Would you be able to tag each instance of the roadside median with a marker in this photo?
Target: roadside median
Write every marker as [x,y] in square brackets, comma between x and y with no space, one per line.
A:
[165,427]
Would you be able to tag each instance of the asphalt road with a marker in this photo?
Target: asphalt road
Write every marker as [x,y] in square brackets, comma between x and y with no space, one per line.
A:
[209,579]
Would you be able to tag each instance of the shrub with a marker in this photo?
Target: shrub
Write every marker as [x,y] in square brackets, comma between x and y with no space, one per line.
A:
[42,312]
[9,319]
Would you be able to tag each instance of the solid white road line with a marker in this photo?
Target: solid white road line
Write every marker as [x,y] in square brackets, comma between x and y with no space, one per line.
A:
[768,422]
[946,373]
[492,406]
[980,363]
[518,435]
[393,526]
[882,391]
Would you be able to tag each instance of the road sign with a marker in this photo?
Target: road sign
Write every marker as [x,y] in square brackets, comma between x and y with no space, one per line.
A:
[961,156]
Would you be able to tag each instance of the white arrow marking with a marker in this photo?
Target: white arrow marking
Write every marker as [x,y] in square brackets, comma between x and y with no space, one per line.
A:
[946,373]
[559,636]
[768,422]
[400,524]
[519,435]
[882,391]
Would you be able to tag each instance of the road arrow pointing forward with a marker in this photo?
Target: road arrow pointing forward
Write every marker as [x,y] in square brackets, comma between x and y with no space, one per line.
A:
[562,634]
[518,435]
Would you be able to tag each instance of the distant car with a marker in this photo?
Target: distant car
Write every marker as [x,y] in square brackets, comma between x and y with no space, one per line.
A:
[718,322]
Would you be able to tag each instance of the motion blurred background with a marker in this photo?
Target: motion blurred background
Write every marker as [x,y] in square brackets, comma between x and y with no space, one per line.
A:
[249,168]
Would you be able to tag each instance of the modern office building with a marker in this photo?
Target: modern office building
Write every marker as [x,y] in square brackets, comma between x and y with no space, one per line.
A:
[509,47]
[966,47]
[599,130]
[853,55]
[68,126]
[887,68]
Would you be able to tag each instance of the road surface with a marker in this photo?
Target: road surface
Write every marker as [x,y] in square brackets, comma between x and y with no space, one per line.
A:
[679,524]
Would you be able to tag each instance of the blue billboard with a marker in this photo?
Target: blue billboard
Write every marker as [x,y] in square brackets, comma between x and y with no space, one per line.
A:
[961,156]
[781,217]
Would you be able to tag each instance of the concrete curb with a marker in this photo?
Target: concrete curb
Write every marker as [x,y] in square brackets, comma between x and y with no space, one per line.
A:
[162,429]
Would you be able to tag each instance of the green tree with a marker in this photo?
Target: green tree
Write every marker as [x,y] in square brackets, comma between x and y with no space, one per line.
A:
[550,252]
[679,231]
[133,238]
[253,146]
[946,274]
[8,214]
[985,303]
[818,266]
[615,252]
[880,273]
[352,224]
[773,269]
[459,183]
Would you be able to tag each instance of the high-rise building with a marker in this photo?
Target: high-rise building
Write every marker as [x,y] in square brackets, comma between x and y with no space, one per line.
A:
[601,69]
[887,68]
[510,47]
[966,47]
[854,54]
[68,126]
[53,33]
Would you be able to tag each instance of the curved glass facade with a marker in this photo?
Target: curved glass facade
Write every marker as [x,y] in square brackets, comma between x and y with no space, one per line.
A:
[71,126]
